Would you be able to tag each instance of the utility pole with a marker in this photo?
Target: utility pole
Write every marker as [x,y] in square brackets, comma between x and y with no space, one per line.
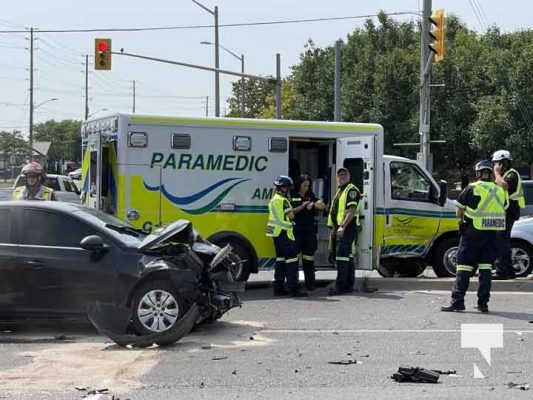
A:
[133,108]
[207,106]
[278,86]
[31,95]
[426,58]
[337,101]
[86,87]
[242,86]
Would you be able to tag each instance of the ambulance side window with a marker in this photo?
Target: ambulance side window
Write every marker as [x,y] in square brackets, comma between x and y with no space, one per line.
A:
[409,183]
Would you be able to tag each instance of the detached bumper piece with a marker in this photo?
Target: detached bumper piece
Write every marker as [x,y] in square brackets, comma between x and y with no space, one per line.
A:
[415,374]
[114,322]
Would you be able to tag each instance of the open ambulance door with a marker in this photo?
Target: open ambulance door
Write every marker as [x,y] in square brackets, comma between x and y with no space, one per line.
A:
[99,183]
[357,154]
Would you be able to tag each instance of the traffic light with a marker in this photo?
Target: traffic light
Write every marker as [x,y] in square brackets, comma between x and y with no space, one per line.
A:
[102,54]
[437,34]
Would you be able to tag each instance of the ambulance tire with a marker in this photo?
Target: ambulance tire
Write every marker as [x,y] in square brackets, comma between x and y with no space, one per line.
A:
[240,249]
[445,257]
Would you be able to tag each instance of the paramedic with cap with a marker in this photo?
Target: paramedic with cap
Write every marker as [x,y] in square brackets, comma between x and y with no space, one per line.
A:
[342,220]
[481,207]
[280,227]
[34,188]
[509,179]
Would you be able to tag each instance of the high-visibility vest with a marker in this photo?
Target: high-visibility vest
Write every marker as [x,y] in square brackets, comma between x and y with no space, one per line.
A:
[277,218]
[518,195]
[44,193]
[490,212]
[342,194]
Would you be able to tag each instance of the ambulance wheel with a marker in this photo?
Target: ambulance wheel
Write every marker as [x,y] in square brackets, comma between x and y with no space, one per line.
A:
[445,257]
[241,252]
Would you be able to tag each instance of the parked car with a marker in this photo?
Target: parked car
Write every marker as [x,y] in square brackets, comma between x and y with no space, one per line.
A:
[76,174]
[527,187]
[64,187]
[58,260]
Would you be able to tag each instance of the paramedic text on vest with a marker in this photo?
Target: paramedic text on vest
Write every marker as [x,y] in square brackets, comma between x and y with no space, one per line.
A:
[481,207]
[509,179]
[343,221]
[305,206]
[34,188]
[279,227]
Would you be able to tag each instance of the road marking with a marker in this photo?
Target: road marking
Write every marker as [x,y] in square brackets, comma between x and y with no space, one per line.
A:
[516,331]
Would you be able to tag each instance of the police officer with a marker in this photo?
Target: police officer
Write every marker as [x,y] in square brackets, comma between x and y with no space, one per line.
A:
[509,179]
[481,207]
[34,188]
[279,227]
[343,220]
[305,205]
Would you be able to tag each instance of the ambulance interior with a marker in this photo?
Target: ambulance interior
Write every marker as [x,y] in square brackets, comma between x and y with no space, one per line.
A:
[317,159]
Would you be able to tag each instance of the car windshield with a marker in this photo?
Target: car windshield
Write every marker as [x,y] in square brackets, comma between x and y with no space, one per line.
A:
[115,227]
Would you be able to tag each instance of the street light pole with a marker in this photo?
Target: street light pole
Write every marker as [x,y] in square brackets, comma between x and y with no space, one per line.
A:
[217,74]
[241,59]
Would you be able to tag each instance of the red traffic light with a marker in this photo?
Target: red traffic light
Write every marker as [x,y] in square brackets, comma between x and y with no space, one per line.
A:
[102,46]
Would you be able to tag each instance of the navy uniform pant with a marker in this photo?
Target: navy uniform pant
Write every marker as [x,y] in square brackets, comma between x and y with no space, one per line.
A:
[286,264]
[344,261]
[504,263]
[477,250]
[306,245]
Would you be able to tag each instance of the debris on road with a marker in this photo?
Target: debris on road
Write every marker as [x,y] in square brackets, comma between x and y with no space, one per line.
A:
[219,358]
[521,386]
[416,374]
[345,362]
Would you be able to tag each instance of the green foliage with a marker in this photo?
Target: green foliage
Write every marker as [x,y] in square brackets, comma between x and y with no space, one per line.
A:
[12,144]
[486,102]
[65,137]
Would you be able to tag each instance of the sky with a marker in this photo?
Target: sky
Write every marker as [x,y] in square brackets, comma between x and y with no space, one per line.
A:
[164,89]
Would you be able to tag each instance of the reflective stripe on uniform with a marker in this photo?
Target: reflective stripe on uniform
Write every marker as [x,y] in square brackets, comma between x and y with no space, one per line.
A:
[485,266]
[308,258]
[464,268]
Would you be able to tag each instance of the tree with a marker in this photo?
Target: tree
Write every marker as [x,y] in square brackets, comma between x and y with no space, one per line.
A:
[64,136]
[255,97]
[12,145]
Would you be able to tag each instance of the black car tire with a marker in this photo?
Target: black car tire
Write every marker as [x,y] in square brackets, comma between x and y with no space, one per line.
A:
[443,265]
[521,252]
[159,299]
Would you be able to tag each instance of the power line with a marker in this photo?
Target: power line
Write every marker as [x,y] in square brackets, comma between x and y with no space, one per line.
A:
[169,28]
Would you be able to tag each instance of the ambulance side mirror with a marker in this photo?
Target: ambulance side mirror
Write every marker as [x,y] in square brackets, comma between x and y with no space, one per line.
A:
[443,195]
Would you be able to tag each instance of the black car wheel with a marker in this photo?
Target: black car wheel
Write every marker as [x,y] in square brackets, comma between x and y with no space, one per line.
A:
[521,258]
[445,257]
[157,306]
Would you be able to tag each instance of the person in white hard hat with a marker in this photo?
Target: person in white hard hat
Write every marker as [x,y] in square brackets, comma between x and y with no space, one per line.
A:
[509,179]
[34,188]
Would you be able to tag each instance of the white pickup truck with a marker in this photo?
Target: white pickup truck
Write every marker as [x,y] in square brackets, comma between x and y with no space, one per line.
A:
[64,187]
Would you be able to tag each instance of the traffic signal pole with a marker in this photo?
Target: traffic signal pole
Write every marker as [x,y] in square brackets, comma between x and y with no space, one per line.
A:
[276,80]
[426,58]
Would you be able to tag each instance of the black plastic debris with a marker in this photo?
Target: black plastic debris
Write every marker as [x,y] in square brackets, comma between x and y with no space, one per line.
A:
[521,386]
[416,374]
[219,358]
[345,362]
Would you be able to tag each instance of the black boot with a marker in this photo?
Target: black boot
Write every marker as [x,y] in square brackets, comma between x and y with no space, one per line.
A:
[453,307]
[483,307]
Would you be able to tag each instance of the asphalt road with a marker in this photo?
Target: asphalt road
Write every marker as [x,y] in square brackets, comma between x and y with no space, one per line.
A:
[5,193]
[281,348]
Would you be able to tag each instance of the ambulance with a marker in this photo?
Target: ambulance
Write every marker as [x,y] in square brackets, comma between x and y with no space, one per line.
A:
[219,174]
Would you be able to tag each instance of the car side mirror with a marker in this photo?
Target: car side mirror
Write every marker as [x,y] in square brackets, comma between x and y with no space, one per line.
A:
[443,196]
[93,243]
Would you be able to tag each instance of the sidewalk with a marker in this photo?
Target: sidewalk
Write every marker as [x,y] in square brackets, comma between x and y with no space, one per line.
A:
[427,281]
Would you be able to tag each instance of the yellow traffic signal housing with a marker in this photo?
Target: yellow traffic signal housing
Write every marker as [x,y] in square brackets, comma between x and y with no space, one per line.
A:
[102,54]
[437,34]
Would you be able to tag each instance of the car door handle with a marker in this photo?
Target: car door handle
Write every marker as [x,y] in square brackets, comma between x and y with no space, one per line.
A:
[35,263]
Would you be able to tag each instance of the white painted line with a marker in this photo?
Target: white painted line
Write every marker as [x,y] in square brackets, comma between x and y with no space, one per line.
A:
[517,331]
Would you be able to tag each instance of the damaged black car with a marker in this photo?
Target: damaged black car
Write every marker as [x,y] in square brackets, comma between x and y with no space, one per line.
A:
[62,261]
